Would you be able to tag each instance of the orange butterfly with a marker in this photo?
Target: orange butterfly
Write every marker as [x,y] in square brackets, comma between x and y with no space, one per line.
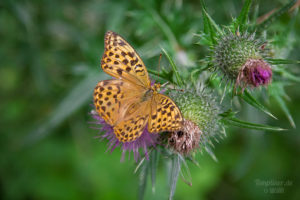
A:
[129,102]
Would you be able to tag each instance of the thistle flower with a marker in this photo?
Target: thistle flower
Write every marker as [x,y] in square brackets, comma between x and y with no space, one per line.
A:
[201,120]
[255,72]
[145,141]
[241,59]
[185,140]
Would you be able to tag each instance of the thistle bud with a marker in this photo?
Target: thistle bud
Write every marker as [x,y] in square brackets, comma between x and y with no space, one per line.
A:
[201,120]
[241,59]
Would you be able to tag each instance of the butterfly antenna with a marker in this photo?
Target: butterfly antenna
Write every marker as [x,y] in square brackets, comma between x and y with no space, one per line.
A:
[160,55]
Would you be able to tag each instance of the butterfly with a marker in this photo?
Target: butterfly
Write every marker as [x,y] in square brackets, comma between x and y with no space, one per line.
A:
[129,102]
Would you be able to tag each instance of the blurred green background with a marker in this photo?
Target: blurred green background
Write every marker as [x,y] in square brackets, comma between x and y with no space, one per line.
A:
[50,53]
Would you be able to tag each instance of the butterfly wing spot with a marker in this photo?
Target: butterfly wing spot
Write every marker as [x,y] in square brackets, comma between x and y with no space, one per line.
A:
[166,116]
[129,130]
[139,69]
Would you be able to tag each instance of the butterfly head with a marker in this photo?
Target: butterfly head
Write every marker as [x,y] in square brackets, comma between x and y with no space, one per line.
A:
[156,87]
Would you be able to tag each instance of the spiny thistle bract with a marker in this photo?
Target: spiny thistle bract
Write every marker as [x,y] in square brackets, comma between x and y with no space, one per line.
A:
[240,57]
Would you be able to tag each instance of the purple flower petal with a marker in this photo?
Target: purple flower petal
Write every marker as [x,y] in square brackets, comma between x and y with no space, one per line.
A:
[145,141]
[255,72]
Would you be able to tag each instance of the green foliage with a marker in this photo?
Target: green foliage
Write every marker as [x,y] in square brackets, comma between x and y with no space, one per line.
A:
[241,21]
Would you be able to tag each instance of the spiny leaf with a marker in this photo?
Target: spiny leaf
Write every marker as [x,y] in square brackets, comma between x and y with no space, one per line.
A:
[154,162]
[242,18]
[243,124]
[246,96]
[283,73]
[228,114]
[143,180]
[185,172]
[168,76]
[174,67]
[213,24]
[277,92]
[193,160]
[282,61]
[210,27]
[206,25]
[264,25]
[290,76]
[210,152]
[175,169]
[203,39]
[285,109]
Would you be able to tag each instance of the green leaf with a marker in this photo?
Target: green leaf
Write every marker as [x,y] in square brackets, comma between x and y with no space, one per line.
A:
[282,61]
[243,124]
[167,76]
[242,18]
[277,92]
[274,16]
[246,96]
[174,172]
[206,25]
[213,24]
[285,109]
[210,152]
[185,171]
[290,76]
[153,164]
[174,67]
[143,180]
[285,74]
[210,27]
[192,159]
[203,39]
[228,114]
[76,98]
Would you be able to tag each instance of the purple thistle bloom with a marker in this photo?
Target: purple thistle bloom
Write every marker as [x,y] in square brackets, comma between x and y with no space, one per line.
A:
[145,141]
[255,72]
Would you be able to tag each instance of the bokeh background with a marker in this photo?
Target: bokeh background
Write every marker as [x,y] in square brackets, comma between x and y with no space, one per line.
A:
[50,53]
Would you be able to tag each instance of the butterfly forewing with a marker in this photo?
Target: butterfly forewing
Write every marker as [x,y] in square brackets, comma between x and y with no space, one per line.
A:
[121,61]
[165,115]
[112,98]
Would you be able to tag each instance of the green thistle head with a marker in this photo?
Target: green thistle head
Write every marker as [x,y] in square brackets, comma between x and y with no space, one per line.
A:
[201,119]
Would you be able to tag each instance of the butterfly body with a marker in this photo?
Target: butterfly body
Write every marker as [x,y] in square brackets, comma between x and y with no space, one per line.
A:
[130,103]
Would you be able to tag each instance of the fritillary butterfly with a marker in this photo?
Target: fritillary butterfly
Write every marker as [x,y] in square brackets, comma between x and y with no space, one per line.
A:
[129,102]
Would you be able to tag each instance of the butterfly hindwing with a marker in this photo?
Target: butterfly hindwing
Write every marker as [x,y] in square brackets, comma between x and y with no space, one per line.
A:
[121,61]
[165,115]
[134,123]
